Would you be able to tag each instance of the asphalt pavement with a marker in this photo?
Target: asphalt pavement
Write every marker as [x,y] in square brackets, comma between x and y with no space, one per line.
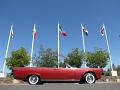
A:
[62,86]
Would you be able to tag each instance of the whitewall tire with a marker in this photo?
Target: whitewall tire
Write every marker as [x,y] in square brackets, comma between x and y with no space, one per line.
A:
[89,78]
[33,80]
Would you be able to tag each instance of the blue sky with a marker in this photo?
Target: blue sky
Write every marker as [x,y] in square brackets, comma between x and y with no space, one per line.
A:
[70,13]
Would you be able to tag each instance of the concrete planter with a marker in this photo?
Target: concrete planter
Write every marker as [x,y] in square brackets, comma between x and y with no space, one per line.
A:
[118,80]
[15,81]
[3,75]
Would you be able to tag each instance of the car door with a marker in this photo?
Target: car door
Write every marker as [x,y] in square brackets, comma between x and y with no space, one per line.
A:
[67,74]
[58,74]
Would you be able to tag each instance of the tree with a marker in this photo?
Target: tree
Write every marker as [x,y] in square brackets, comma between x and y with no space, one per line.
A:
[18,58]
[74,58]
[96,59]
[37,59]
[117,68]
[46,58]
[107,72]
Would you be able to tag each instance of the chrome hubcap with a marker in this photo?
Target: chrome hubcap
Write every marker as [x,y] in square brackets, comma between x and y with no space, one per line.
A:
[90,78]
[33,79]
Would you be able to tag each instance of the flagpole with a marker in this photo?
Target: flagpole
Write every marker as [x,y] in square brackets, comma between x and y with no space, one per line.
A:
[58,46]
[7,49]
[32,46]
[83,43]
[108,47]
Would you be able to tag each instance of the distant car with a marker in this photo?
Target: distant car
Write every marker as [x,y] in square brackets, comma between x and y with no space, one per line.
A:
[40,75]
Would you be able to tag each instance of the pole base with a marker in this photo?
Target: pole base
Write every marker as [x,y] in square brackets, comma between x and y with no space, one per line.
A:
[3,75]
[114,73]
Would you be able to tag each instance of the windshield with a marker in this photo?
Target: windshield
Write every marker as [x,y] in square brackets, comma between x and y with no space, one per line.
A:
[68,66]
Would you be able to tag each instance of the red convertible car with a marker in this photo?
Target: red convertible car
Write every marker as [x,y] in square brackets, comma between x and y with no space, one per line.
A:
[40,75]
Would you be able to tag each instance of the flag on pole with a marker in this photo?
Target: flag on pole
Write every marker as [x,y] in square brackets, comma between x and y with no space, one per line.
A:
[102,30]
[34,36]
[34,31]
[85,30]
[63,33]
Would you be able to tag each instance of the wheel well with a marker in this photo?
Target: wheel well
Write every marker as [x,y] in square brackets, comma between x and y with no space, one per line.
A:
[89,72]
[30,75]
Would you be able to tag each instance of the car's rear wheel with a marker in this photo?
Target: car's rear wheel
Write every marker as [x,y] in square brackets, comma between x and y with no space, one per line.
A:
[33,79]
[89,78]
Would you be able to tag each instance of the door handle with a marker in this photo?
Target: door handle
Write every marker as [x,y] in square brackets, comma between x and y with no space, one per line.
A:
[56,69]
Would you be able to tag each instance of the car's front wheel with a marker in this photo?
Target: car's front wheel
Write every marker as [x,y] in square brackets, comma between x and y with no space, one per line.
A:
[33,79]
[89,78]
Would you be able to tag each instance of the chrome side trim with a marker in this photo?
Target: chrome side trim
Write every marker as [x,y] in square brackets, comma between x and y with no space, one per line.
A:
[60,80]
